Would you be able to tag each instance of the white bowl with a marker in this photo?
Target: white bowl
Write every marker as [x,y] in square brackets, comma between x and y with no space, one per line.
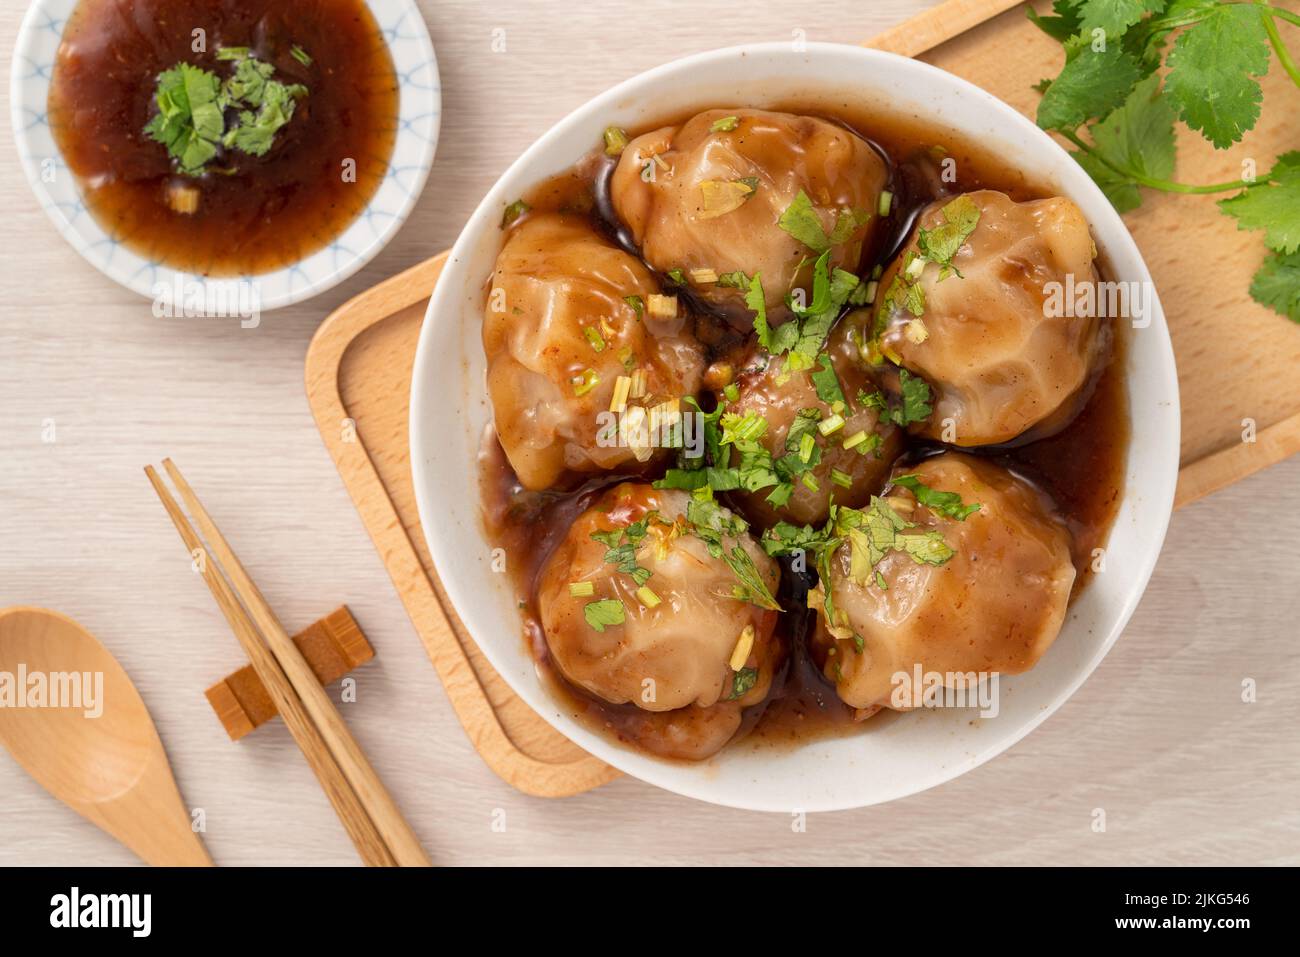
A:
[449,410]
[418,119]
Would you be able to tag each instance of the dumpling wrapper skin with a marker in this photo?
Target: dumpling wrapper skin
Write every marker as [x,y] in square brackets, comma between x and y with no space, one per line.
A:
[997,365]
[684,644]
[995,606]
[668,221]
[554,277]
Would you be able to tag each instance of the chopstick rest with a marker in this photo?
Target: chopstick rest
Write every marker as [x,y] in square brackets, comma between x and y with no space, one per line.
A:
[333,646]
[366,810]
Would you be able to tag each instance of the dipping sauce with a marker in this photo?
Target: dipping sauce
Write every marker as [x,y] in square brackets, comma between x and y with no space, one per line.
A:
[250,214]
[1081,467]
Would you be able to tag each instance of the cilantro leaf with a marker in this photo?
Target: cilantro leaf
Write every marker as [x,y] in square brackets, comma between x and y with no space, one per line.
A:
[1062,26]
[800,221]
[944,503]
[608,611]
[1277,284]
[916,400]
[1212,69]
[1137,138]
[1115,16]
[941,244]
[1089,85]
[1273,205]
[741,682]
[826,382]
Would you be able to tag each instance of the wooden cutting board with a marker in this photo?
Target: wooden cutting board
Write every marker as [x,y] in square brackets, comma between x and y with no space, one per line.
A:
[1236,361]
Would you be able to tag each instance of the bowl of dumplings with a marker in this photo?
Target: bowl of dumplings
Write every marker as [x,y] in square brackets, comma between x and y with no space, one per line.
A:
[795,430]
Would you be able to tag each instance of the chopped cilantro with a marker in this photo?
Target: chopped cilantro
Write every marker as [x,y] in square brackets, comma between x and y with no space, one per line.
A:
[800,220]
[513,212]
[741,682]
[941,244]
[826,382]
[916,398]
[944,503]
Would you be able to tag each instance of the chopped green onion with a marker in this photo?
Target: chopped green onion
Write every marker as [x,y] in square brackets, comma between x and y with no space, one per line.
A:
[232,53]
[872,288]
[855,440]
[615,140]
[301,55]
[637,303]
[732,392]
[582,589]
[810,482]
[806,445]
[842,479]
[886,202]
[584,382]
[724,125]
[832,423]
[594,337]
[877,270]
[648,598]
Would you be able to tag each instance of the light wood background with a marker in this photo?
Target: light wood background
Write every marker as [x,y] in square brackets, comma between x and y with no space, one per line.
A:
[1158,738]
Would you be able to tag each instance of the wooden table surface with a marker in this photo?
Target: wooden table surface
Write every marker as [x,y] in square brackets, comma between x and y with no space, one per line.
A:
[1158,737]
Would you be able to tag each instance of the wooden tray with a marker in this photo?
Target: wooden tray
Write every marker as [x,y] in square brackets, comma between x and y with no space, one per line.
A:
[358,376]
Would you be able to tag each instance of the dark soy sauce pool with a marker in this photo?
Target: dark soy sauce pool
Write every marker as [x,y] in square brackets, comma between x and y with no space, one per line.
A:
[274,209]
[1081,467]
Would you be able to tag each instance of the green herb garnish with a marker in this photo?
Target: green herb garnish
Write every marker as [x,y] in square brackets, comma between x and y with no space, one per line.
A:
[944,503]
[301,55]
[513,212]
[741,682]
[192,106]
[1109,100]
[608,611]
[724,125]
[800,220]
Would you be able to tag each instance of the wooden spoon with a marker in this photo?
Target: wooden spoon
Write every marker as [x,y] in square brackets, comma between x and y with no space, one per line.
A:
[110,769]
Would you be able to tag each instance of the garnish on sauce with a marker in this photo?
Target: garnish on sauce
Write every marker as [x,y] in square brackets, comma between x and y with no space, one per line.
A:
[199,113]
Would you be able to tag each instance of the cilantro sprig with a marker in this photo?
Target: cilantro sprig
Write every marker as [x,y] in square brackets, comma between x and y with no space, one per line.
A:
[1114,104]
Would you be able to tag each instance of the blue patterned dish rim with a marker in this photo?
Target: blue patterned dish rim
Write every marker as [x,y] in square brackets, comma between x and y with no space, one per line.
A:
[419,116]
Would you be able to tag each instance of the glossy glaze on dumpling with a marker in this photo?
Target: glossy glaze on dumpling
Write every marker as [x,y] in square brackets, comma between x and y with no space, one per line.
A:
[673,655]
[658,191]
[999,365]
[995,606]
[555,279]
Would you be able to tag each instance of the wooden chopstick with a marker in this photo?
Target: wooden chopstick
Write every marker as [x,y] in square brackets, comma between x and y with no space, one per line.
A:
[356,821]
[392,826]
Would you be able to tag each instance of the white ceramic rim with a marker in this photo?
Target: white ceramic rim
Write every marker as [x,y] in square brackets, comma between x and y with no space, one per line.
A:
[1155,493]
[419,121]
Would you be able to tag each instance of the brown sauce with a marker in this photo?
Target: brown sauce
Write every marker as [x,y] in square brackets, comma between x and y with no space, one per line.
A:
[1081,467]
[271,210]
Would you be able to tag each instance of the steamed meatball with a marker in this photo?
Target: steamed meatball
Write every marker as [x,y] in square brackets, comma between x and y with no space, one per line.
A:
[789,403]
[567,315]
[706,198]
[976,326]
[983,593]
[637,609]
